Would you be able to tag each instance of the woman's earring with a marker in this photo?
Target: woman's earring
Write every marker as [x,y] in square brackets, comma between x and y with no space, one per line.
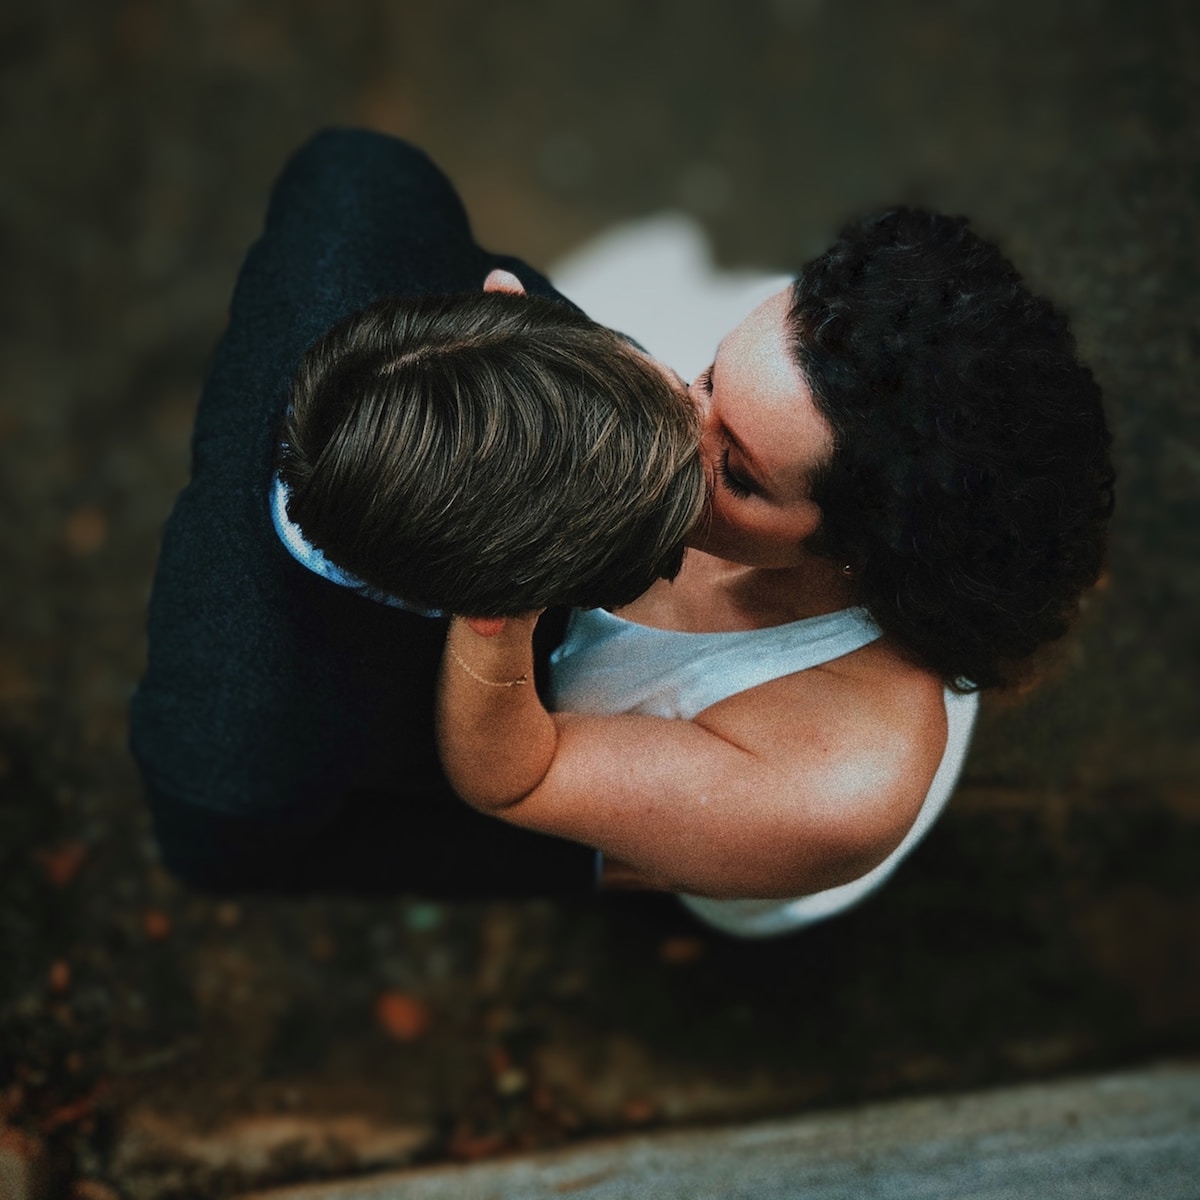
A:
[848,571]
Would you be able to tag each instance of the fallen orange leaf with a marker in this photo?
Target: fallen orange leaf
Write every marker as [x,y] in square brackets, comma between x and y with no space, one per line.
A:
[60,975]
[639,1111]
[62,863]
[677,951]
[401,1016]
[76,1111]
[156,924]
[86,530]
[471,1147]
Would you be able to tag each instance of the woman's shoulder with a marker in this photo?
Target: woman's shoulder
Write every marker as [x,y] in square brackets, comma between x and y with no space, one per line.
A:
[871,688]
[866,732]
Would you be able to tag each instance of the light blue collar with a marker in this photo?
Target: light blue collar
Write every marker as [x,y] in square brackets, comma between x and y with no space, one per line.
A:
[307,555]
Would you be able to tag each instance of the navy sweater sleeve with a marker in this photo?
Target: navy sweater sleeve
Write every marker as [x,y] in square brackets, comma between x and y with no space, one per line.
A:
[272,697]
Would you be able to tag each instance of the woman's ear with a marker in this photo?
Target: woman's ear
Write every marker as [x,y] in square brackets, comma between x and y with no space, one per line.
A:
[503,281]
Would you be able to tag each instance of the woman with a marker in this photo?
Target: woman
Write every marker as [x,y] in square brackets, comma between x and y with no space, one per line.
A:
[910,484]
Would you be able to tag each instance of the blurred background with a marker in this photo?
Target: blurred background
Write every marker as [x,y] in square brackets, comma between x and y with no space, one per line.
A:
[162,1041]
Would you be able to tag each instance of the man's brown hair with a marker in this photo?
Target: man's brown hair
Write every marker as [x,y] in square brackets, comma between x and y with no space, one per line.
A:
[490,454]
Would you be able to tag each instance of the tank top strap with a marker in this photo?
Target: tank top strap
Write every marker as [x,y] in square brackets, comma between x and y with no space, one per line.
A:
[607,664]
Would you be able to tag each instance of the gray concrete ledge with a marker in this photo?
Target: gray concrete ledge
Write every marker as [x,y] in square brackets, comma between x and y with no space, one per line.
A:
[1129,1135]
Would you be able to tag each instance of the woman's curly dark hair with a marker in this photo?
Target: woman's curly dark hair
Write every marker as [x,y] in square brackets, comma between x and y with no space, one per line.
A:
[970,484]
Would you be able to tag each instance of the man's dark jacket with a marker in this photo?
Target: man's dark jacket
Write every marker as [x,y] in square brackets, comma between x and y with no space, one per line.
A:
[284,726]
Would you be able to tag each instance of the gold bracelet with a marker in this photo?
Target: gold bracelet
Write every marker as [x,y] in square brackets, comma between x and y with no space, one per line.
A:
[518,682]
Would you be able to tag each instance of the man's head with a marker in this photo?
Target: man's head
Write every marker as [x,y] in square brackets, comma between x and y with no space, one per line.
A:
[490,454]
[910,410]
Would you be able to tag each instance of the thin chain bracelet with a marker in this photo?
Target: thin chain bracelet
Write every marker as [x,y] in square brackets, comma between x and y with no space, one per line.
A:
[518,682]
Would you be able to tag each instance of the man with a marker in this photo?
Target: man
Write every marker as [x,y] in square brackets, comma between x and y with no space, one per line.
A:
[284,724]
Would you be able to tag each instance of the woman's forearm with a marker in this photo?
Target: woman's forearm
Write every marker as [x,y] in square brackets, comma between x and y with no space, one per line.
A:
[495,738]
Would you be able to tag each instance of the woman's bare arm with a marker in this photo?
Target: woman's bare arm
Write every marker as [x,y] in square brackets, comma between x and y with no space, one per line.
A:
[496,739]
[797,785]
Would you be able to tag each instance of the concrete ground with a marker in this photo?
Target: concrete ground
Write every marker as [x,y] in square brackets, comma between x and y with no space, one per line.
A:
[1128,1136]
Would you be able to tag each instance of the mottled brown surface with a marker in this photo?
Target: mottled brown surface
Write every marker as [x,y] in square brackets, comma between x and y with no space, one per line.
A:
[1048,925]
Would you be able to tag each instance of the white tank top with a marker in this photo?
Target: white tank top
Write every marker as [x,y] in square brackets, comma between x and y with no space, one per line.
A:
[608,665]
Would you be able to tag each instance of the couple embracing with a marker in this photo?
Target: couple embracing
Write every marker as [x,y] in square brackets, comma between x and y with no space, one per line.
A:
[470,596]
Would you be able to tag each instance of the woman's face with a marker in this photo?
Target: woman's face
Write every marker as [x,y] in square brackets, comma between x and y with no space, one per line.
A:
[763,440]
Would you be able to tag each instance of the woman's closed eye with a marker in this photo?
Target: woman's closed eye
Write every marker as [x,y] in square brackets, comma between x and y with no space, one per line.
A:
[704,381]
[731,479]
